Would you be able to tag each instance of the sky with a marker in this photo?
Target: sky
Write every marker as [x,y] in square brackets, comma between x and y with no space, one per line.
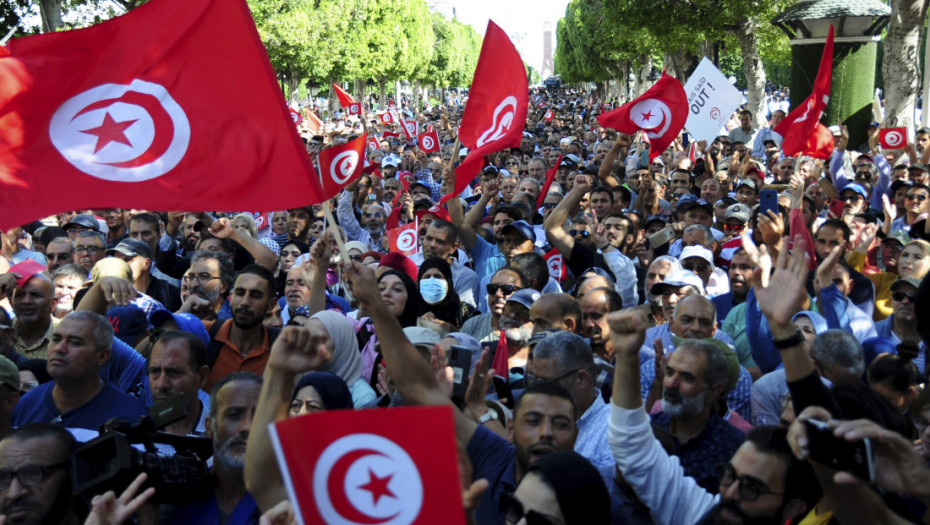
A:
[522,20]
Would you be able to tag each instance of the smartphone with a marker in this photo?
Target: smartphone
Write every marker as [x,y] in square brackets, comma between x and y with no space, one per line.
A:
[502,387]
[460,361]
[837,453]
[768,200]
[836,208]
[661,237]
[644,158]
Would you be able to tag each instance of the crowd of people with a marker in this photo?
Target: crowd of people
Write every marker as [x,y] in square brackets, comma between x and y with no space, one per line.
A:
[671,329]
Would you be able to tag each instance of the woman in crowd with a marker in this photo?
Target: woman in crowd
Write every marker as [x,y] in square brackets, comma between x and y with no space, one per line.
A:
[441,305]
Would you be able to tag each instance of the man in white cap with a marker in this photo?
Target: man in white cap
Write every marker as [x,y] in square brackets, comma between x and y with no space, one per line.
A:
[700,260]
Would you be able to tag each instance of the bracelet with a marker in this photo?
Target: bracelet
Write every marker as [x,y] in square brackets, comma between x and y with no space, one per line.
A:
[789,342]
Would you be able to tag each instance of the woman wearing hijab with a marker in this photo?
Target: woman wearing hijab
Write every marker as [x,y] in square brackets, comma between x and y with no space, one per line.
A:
[346,362]
[319,346]
[441,305]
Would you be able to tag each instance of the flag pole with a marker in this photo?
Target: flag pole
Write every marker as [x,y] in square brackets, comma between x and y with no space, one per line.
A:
[328,219]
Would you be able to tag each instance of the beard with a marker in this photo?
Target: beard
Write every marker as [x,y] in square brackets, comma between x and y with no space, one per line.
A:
[520,334]
[686,407]
[226,457]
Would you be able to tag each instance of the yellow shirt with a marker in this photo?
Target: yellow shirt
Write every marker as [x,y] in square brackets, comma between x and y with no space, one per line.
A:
[882,282]
[813,518]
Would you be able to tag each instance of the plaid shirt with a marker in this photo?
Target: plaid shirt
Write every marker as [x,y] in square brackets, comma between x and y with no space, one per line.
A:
[605,377]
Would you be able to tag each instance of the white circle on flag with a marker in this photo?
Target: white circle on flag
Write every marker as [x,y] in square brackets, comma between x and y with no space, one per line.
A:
[501,121]
[894,138]
[407,240]
[121,133]
[427,142]
[385,118]
[353,109]
[367,479]
[343,166]
[653,116]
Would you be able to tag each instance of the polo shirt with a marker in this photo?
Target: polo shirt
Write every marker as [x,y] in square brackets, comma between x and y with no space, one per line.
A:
[229,359]
[38,407]
[487,257]
[494,459]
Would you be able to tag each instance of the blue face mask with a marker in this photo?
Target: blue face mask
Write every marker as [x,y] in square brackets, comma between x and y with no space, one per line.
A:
[433,289]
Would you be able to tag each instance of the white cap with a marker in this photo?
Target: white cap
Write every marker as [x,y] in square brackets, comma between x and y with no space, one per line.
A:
[697,251]
[677,280]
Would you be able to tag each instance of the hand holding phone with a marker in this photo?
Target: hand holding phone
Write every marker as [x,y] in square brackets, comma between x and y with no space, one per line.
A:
[837,453]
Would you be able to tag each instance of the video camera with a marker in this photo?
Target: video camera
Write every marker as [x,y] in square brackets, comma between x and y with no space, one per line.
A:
[111,462]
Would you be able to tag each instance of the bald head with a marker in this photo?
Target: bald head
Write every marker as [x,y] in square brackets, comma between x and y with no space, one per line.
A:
[556,311]
[695,317]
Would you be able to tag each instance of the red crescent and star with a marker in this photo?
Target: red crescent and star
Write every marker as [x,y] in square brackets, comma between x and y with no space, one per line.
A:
[112,131]
[377,486]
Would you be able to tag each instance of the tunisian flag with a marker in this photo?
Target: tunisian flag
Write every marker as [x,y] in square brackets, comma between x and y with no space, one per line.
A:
[342,164]
[820,144]
[314,123]
[550,176]
[380,466]
[345,99]
[893,138]
[173,106]
[404,239]
[495,114]
[661,112]
[798,127]
[429,141]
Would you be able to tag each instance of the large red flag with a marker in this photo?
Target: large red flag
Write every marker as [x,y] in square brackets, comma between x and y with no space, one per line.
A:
[314,123]
[172,106]
[345,99]
[495,114]
[550,176]
[820,144]
[342,164]
[661,112]
[798,127]
[396,465]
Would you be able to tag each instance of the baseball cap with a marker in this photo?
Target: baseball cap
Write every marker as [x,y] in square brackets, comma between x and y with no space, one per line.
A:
[653,218]
[748,182]
[422,337]
[856,188]
[689,201]
[9,374]
[26,269]
[896,185]
[436,210]
[186,323]
[697,251]
[84,220]
[128,323]
[738,211]
[900,236]
[525,296]
[522,227]
[919,166]
[913,281]
[677,280]
[568,163]
[390,160]
[835,130]
[131,248]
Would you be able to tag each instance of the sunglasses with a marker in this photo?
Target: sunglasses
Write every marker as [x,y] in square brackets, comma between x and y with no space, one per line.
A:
[749,489]
[696,268]
[513,511]
[507,289]
[549,205]
[584,234]
[732,227]
[901,296]
[919,197]
[851,198]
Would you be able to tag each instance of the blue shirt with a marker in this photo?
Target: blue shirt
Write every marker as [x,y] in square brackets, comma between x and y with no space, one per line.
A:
[700,455]
[38,407]
[208,512]
[493,459]
[487,257]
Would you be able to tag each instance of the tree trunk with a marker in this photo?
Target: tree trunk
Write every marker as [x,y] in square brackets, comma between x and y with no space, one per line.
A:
[333,99]
[677,63]
[382,88]
[641,82]
[900,64]
[753,70]
[292,83]
[51,15]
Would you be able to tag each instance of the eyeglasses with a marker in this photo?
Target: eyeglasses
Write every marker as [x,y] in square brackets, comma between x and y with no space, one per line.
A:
[355,257]
[897,248]
[852,198]
[513,511]
[92,250]
[549,205]
[200,277]
[532,379]
[732,227]
[507,289]
[74,231]
[579,233]
[900,296]
[920,197]
[696,268]
[28,476]
[749,489]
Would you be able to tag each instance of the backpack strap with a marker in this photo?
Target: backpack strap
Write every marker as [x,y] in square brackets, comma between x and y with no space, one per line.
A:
[213,350]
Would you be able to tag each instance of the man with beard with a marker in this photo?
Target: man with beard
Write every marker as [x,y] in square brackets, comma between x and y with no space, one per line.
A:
[565,358]
[191,231]
[89,247]
[901,325]
[763,483]
[243,342]
[596,304]
[35,485]
[369,229]
[517,327]
[116,225]
[78,397]
[505,282]
[298,223]
[58,252]
[740,275]
[206,284]
[232,407]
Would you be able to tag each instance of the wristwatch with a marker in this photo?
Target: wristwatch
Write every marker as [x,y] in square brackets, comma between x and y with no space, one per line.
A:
[487,416]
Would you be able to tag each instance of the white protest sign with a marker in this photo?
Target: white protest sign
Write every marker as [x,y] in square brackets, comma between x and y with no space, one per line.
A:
[711,101]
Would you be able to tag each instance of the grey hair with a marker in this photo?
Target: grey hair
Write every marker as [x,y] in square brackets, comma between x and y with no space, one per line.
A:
[837,349]
[676,264]
[567,351]
[95,234]
[717,371]
[102,329]
[227,270]
[705,231]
